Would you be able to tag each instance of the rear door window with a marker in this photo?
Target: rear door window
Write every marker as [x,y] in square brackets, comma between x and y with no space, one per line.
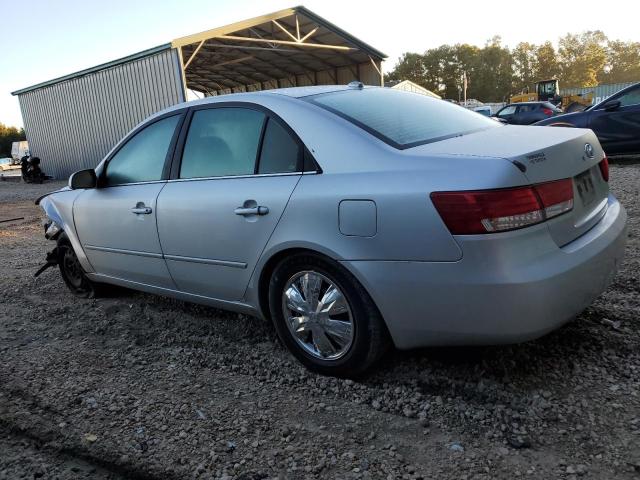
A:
[402,119]
[222,142]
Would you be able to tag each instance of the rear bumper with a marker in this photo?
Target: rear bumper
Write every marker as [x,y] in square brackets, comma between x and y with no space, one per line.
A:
[507,288]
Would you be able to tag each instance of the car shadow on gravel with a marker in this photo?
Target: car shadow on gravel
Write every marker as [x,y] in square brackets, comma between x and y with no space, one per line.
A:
[529,362]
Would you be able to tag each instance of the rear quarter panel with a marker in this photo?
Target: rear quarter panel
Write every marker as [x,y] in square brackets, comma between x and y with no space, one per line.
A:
[408,227]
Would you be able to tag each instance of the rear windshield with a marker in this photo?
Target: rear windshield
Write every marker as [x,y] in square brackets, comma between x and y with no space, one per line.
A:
[402,119]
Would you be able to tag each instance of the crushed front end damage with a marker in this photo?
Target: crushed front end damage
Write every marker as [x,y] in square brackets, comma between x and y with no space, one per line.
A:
[52,261]
[52,231]
[58,209]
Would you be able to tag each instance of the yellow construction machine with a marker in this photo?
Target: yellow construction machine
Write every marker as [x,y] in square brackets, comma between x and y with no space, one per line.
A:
[549,91]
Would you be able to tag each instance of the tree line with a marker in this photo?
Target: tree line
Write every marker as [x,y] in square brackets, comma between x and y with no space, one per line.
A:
[8,135]
[494,71]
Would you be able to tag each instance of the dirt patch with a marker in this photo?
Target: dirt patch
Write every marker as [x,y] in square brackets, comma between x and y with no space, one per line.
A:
[138,386]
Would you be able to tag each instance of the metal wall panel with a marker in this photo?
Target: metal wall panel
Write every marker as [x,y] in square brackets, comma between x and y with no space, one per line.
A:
[73,124]
[600,93]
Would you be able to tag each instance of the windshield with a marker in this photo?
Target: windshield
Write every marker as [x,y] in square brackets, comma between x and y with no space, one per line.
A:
[402,119]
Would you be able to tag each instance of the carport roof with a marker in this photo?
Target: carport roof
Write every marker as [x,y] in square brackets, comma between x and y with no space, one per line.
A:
[293,41]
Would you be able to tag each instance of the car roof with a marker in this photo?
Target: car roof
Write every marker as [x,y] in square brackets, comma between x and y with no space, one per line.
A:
[289,92]
[299,92]
[527,103]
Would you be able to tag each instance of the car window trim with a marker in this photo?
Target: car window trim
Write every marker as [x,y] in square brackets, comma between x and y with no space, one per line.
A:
[263,131]
[101,175]
[249,175]
[176,160]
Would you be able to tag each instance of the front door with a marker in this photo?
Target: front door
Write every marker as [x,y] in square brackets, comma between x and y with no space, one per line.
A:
[239,167]
[116,223]
[507,113]
[618,129]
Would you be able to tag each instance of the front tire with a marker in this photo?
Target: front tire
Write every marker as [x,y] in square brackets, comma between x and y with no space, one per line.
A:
[325,317]
[72,272]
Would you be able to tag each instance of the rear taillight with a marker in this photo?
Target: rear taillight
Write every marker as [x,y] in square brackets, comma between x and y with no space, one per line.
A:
[604,169]
[487,211]
[556,197]
[547,111]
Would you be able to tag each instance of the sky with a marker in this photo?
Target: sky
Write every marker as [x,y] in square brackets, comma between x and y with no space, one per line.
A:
[44,39]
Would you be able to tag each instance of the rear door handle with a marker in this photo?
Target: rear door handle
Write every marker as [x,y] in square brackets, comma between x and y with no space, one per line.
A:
[246,211]
[141,210]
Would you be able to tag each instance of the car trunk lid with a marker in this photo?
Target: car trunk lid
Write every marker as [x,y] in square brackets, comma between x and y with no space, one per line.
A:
[545,154]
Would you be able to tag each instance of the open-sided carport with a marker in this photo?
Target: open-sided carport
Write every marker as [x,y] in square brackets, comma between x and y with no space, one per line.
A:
[71,122]
[292,47]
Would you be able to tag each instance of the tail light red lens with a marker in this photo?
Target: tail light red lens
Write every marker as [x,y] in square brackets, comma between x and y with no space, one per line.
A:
[547,111]
[489,211]
[604,168]
[556,197]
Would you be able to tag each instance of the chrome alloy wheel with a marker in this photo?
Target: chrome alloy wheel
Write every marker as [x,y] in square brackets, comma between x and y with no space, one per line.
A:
[318,315]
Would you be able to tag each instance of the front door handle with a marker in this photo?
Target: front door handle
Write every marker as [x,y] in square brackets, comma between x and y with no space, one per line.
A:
[141,209]
[246,211]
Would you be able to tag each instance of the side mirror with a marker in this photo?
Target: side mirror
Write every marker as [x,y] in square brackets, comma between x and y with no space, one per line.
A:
[83,179]
[612,105]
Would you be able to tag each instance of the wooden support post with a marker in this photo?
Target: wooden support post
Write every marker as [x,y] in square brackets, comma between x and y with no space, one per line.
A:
[184,77]
[193,55]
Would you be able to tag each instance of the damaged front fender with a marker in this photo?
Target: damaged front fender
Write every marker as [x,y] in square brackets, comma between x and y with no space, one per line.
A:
[58,207]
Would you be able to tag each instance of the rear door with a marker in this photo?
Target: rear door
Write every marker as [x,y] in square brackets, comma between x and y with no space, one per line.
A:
[619,129]
[523,115]
[238,168]
[116,222]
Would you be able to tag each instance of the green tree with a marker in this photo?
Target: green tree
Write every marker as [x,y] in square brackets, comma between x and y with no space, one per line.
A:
[442,71]
[582,58]
[494,72]
[525,66]
[409,67]
[623,62]
[8,135]
[547,66]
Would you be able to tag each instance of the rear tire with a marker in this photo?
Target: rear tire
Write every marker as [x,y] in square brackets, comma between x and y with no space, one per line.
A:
[71,270]
[325,317]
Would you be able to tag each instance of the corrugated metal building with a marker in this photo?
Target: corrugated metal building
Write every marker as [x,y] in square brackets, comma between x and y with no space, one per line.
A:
[600,93]
[409,86]
[73,121]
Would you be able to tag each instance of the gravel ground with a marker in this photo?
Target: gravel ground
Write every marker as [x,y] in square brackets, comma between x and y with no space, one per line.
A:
[137,386]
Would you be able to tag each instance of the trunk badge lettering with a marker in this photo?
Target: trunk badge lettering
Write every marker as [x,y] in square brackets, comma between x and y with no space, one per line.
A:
[536,158]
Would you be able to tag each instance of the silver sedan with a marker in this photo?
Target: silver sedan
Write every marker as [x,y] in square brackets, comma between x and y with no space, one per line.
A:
[353,218]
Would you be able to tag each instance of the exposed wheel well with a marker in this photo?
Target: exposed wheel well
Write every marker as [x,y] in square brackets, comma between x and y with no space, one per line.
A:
[265,275]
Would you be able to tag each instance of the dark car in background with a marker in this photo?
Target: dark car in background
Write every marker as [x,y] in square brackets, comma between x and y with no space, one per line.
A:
[615,121]
[526,113]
